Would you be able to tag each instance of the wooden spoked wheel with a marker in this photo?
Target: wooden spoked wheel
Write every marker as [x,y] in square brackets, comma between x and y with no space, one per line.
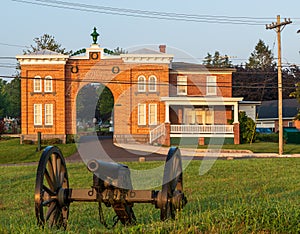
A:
[52,184]
[172,197]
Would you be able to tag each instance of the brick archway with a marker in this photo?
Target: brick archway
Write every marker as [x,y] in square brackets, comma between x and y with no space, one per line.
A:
[119,73]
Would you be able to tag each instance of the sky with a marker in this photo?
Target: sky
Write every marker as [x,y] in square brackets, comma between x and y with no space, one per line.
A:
[23,20]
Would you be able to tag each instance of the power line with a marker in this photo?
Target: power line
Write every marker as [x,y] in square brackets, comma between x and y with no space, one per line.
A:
[14,45]
[148,14]
[200,85]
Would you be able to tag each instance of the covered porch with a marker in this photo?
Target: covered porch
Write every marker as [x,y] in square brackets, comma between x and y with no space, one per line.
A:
[201,117]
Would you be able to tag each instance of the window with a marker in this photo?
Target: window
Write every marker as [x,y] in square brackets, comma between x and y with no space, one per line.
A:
[141,114]
[209,116]
[37,114]
[152,84]
[211,85]
[37,84]
[153,114]
[141,84]
[48,84]
[48,114]
[181,85]
[201,116]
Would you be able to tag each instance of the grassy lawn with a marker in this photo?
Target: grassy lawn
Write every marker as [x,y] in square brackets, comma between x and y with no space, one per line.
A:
[236,196]
[13,152]
[264,147]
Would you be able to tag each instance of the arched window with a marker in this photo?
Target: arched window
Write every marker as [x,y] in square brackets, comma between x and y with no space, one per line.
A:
[48,84]
[37,84]
[141,84]
[152,84]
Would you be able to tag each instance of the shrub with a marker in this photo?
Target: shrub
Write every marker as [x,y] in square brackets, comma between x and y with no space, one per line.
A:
[1,127]
[51,141]
[247,128]
[273,137]
[71,138]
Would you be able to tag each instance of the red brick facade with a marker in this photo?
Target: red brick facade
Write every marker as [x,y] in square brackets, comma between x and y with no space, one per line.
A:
[121,75]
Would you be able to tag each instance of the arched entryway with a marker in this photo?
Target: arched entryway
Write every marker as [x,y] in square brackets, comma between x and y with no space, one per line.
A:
[94,110]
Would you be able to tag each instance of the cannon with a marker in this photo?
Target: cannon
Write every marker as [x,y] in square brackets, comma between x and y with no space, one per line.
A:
[111,186]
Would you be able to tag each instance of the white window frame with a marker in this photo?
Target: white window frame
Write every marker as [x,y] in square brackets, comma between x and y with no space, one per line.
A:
[211,85]
[48,114]
[153,113]
[48,84]
[37,114]
[141,84]
[181,85]
[152,83]
[207,116]
[37,84]
[141,114]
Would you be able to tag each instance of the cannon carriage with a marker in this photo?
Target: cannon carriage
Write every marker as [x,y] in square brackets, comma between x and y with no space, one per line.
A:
[111,187]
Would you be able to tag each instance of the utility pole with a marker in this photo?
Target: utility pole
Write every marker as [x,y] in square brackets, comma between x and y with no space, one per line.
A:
[278,27]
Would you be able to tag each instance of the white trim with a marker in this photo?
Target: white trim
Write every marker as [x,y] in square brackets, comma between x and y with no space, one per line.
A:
[181,85]
[192,112]
[155,113]
[185,100]
[203,135]
[49,113]
[42,59]
[36,80]
[275,119]
[211,83]
[152,84]
[141,119]
[147,58]
[205,72]
[48,79]
[141,84]
[37,114]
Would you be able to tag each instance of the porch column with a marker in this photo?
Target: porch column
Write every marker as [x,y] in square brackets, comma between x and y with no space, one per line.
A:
[167,136]
[167,115]
[236,113]
[236,131]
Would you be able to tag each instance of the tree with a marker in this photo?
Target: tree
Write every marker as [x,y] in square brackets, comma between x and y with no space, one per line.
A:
[105,103]
[48,42]
[94,101]
[296,94]
[261,58]
[208,60]
[116,51]
[13,97]
[3,98]
[86,102]
[247,128]
[217,60]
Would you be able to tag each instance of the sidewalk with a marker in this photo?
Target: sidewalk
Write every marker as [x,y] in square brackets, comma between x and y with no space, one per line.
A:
[213,153]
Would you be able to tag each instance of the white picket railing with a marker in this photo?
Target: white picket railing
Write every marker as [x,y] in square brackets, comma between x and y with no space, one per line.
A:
[157,132]
[194,129]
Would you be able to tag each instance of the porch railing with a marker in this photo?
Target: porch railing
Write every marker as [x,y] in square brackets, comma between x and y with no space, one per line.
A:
[194,129]
[157,132]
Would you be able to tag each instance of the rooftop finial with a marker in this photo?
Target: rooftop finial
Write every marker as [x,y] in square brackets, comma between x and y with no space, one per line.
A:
[95,35]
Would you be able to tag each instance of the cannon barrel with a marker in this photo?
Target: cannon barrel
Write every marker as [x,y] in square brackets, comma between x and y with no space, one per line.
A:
[115,174]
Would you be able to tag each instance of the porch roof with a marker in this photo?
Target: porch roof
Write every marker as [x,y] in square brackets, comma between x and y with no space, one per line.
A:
[217,101]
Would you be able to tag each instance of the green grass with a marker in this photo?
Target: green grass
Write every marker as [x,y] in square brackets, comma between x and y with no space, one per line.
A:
[13,152]
[261,147]
[235,196]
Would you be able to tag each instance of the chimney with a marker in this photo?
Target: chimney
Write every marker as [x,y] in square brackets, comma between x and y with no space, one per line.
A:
[162,48]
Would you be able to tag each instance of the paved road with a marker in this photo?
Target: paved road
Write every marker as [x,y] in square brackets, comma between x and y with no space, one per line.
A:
[106,146]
